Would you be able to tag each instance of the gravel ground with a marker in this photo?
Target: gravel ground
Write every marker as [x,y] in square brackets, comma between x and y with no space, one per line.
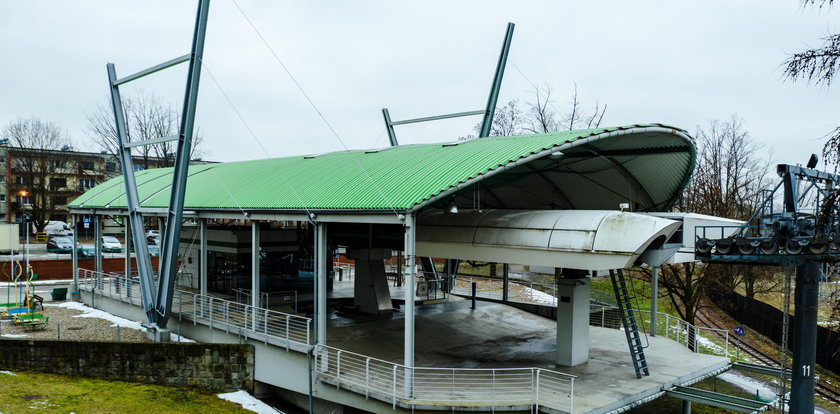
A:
[72,327]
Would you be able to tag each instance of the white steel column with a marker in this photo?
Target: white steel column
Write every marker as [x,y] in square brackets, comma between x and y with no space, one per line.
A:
[410,269]
[202,258]
[97,242]
[75,253]
[321,275]
[654,296]
[255,264]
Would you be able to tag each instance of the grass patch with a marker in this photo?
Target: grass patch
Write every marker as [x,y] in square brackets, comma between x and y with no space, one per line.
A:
[28,391]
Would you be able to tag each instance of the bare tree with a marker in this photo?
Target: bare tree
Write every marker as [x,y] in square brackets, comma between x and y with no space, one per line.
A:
[36,144]
[508,120]
[147,117]
[727,182]
[819,66]
[730,174]
[541,116]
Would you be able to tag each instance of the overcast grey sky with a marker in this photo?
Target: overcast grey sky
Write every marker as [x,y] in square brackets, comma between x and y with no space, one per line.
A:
[674,62]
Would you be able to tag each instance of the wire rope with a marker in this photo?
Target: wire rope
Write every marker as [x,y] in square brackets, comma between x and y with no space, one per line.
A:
[314,106]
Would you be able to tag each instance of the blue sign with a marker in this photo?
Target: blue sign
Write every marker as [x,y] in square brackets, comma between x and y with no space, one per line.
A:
[87,220]
[739,330]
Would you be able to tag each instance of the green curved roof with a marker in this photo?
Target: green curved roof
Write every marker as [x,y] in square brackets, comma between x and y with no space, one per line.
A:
[647,165]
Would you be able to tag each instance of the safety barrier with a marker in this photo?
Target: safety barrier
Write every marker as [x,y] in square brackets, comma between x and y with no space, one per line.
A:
[277,328]
[518,290]
[696,338]
[441,388]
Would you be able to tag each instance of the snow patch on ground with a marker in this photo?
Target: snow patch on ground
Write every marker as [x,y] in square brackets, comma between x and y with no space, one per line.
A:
[709,345]
[751,385]
[88,312]
[248,402]
[7,372]
[540,297]
[179,338]
[14,336]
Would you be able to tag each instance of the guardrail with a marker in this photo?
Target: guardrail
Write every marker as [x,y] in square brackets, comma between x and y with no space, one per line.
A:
[442,388]
[269,299]
[696,338]
[277,328]
[518,290]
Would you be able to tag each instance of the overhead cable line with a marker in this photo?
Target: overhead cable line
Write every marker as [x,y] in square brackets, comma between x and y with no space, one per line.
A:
[315,107]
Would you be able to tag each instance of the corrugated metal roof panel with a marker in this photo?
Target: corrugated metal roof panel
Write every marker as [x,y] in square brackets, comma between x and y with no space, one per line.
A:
[399,178]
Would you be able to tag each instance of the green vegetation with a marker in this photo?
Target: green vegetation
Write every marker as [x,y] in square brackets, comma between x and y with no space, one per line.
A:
[27,391]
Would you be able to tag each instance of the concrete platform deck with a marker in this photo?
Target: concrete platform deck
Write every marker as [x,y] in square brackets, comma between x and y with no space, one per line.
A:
[498,336]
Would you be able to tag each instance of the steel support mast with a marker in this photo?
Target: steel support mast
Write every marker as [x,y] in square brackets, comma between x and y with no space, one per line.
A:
[157,304]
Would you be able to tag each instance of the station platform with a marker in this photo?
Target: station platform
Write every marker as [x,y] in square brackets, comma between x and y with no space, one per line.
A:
[495,335]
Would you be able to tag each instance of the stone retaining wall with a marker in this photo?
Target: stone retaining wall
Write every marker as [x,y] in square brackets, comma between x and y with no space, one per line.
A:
[222,367]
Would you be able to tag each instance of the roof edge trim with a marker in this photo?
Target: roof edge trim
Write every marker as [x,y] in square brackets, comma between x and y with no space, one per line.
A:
[580,141]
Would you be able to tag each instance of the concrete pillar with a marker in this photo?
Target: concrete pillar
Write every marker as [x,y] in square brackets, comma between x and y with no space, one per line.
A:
[370,285]
[654,296]
[573,321]
[321,276]
[202,257]
[255,264]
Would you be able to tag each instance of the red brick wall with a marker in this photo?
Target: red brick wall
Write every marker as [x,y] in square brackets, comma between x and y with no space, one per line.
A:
[63,268]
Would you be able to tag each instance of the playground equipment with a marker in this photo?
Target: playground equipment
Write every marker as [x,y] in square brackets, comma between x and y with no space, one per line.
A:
[27,308]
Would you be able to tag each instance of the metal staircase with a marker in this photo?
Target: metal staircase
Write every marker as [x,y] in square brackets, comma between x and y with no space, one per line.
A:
[628,320]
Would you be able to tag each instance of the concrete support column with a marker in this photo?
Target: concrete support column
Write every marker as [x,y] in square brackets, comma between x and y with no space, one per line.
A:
[321,276]
[202,257]
[654,296]
[255,264]
[573,321]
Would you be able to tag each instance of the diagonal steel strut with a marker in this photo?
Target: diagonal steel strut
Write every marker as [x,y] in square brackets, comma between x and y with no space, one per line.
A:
[157,304]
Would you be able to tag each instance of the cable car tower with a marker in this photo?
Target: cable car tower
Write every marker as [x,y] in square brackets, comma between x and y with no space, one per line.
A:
[796,237]
[157,304]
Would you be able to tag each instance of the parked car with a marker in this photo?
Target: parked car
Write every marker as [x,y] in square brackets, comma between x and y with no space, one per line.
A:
[154,250]
[110,244]
[153,233]
[60,245]
[58,228]
[153,241]
[87,250]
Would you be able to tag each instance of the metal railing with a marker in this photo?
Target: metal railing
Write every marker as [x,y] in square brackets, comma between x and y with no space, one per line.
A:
[519,290]
[269,299]
[696,338]
[271,327]
[419,387]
